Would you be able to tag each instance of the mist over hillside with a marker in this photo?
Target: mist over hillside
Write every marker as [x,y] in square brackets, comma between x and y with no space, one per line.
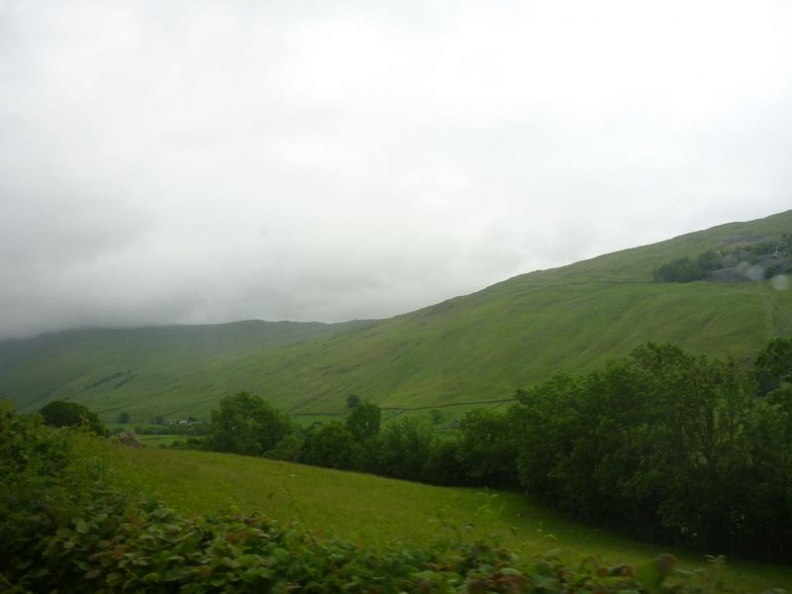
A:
[475,348]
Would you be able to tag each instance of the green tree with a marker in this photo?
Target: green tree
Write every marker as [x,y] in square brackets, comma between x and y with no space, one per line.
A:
[698,410]
[549,418]
[709,261]
[331,445]
[487,447]
[768,521]
[403,448]
[658,442]
[123,418]
[60,413]
[289,448]
[364,420]
[443,466]
[246,424]
[680,271]
[774,362]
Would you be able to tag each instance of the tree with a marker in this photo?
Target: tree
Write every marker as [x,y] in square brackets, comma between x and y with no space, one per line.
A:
[774,362]
[443,466]
[123,418]
[331,445]
[60,413]
[487,447]
[549,417]
[289,448]
[768,522]
[680,271]
[246,424]
[364,420]
[709,261]
[403,448]
[658,442]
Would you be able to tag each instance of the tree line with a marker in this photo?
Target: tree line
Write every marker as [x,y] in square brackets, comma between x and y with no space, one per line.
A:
[775,257]
[667,446]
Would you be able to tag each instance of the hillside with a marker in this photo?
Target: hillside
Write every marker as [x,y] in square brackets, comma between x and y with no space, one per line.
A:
[480,347]
[82,364]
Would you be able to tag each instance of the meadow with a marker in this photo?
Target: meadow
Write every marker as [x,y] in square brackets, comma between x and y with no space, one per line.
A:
[379,511]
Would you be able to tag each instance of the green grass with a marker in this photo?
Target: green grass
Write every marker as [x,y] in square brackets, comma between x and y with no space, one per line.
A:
[378,510]
[157,440]
[480,347]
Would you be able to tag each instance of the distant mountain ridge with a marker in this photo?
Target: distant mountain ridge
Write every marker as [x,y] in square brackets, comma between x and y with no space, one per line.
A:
[478,347]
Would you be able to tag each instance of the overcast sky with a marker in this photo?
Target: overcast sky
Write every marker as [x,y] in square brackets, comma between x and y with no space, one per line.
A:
[190,161]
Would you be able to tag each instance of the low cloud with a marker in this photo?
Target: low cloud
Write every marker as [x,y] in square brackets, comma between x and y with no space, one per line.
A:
[201,162]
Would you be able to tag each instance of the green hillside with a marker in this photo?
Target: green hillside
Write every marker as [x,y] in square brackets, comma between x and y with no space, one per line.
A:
[480,347]
[93,365]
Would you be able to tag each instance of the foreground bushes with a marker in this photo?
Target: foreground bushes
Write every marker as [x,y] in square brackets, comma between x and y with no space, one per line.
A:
[150,549]
[45,481]
[62,529]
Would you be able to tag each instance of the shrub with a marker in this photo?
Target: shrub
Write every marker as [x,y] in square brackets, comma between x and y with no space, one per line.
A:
[60,413]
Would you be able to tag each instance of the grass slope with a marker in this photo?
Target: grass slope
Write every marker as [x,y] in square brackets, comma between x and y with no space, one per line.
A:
[480,347]
[122,369]
[379,510]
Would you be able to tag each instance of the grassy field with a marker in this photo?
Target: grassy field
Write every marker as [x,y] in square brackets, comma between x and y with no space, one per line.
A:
[379,510]
[158,440]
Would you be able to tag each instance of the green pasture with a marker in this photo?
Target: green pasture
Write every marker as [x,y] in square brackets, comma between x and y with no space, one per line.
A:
[379,510]
[158,440]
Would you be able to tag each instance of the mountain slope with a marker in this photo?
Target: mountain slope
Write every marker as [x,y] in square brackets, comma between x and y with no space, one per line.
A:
[94,365]
[479,347]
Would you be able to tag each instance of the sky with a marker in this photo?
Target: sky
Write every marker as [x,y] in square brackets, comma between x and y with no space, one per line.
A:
[198,161]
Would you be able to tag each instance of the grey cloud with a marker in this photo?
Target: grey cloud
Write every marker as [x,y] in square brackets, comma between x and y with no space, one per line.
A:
[205,162]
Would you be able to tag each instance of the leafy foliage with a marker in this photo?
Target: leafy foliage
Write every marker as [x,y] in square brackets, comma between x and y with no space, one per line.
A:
[773,256]
[246,424]
[486,447]
[47,476]
[775,360]
[59,413]
[364,420]
[332,445]
[403,448]
[679,448]
[683,270]
[148,548]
